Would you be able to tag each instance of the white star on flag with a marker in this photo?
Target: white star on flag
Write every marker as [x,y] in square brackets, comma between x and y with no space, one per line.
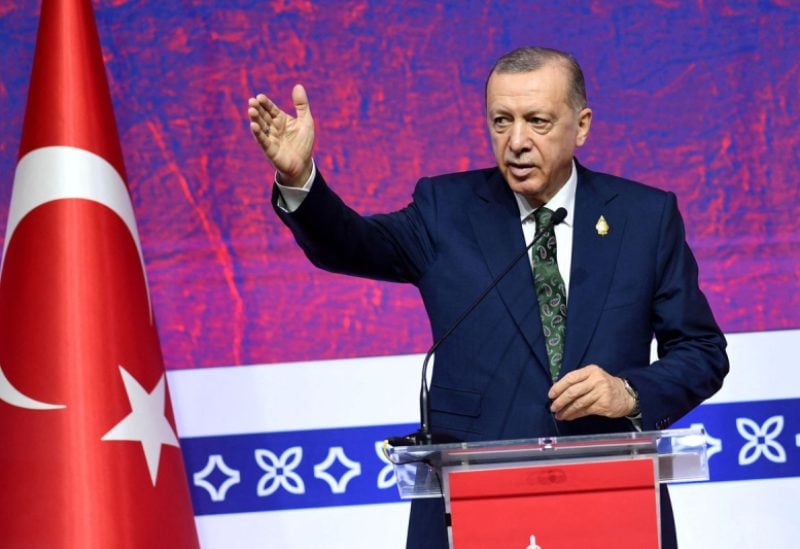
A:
[146,423]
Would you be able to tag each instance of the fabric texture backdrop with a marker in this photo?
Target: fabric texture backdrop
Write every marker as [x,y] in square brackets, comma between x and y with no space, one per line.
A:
[697,98]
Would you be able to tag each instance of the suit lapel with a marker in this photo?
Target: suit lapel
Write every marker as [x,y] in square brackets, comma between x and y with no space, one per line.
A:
[594,259]
[496,223]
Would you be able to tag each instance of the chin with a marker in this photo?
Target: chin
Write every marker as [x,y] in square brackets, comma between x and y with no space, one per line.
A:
[529,188]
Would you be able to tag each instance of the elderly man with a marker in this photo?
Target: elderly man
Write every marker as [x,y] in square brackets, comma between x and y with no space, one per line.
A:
[561,346]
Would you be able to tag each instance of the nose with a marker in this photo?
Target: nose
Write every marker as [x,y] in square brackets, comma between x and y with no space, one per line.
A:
[520,139]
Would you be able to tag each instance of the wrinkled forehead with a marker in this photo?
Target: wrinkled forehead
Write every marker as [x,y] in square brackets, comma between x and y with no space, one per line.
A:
[547,87]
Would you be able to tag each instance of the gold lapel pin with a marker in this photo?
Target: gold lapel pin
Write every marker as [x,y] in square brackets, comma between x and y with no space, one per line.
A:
[602,226]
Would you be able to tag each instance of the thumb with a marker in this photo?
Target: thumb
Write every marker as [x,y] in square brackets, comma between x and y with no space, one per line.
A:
[300,100]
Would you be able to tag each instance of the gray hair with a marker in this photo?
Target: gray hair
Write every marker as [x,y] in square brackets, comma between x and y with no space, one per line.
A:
[533,58]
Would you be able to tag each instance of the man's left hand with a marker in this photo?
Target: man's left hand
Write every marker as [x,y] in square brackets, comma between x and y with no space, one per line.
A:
[590,391]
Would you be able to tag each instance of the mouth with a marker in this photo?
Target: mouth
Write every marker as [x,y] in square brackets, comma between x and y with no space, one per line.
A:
[520,170]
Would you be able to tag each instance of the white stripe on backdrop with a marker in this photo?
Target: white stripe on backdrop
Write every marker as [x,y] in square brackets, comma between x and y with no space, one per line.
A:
[383,391]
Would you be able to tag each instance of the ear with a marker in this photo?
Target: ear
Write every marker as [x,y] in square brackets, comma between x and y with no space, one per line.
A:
[584,123]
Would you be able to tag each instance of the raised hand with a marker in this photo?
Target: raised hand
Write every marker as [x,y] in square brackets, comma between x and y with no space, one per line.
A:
[286,141]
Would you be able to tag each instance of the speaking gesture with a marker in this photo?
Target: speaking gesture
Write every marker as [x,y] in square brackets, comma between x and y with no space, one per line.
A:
[287,141]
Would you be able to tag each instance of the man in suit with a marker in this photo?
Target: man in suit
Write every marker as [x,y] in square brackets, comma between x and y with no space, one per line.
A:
[562,345]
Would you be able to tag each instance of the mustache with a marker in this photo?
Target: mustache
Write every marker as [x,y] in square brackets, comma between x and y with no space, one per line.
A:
[521,162]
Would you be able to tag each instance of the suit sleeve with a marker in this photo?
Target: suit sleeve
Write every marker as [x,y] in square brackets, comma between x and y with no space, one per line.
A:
[692,361]
[397,247]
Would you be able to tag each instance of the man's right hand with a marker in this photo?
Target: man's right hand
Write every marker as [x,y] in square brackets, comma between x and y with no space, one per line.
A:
[286,141]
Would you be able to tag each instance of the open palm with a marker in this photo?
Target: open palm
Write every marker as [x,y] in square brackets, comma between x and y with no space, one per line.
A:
[287,141]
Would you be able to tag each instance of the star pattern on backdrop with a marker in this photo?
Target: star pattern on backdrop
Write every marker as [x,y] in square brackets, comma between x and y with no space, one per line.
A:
[146,423]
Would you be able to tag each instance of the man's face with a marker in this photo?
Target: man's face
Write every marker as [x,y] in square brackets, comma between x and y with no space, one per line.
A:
[534,130]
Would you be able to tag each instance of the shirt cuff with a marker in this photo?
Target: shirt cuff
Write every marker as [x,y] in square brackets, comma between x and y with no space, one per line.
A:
[290,198]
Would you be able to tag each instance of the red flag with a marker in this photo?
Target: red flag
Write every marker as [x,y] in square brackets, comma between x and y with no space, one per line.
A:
[90,455]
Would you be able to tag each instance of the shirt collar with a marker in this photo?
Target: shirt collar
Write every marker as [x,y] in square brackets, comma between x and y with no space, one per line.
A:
[564,198]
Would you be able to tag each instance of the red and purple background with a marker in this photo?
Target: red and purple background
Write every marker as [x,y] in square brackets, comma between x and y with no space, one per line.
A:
[701,98]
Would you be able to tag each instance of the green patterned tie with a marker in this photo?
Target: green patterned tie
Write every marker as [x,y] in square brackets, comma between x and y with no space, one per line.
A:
[549,290]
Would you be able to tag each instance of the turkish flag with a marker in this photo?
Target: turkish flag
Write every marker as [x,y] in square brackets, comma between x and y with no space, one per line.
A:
[90,455]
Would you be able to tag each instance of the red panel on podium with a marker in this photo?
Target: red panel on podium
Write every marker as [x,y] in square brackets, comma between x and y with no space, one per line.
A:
[602,504]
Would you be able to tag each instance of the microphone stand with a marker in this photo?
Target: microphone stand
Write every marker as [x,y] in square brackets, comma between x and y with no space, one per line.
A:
[424,436]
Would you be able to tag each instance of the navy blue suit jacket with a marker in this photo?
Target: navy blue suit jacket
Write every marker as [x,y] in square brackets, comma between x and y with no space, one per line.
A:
[491,377]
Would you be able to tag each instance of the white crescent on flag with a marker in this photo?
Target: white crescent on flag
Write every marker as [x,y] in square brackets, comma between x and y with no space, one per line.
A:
[56,173]
[53,173]
[11,395]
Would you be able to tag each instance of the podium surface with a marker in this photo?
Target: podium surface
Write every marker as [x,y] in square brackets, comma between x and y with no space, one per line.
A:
[556,492]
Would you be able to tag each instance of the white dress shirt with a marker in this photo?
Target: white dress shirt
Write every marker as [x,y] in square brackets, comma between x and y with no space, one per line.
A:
[564,198]
[290,198]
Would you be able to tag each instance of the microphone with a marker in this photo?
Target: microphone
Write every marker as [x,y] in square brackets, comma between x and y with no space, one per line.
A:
[424,435]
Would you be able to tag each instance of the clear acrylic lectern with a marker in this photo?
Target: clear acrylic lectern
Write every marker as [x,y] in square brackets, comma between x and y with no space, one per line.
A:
[554,492]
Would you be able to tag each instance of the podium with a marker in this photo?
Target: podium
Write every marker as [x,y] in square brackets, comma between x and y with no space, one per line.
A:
[553,493]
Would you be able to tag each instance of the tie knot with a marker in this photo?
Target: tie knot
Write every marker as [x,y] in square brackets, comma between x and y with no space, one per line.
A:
[542,216]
